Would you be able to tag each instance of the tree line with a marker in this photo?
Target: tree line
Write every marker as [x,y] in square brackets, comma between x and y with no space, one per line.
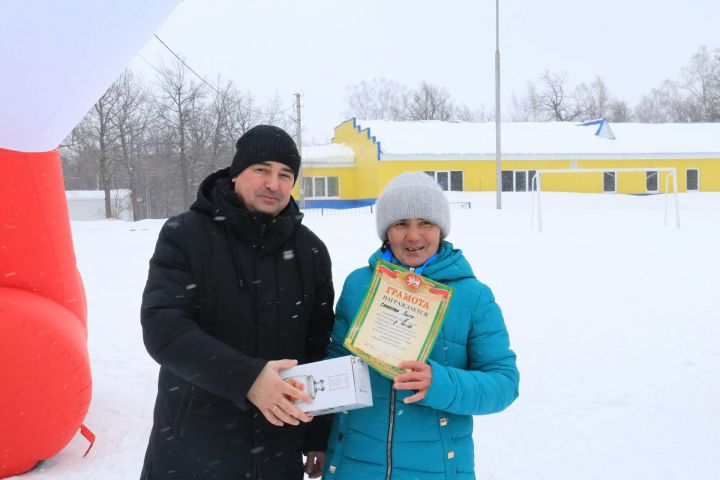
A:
[694,97]
[160,140]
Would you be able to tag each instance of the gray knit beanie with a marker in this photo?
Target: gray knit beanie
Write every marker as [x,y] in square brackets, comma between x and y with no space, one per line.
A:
[412,195]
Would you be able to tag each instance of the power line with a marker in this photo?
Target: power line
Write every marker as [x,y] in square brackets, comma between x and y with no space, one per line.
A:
[207,83]
[187,66]
[151,65]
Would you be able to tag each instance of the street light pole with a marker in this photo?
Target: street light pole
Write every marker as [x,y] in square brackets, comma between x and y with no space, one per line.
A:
[498,167]
[298,137]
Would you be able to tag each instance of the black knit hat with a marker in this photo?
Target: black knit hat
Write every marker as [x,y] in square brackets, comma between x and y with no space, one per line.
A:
[264,143]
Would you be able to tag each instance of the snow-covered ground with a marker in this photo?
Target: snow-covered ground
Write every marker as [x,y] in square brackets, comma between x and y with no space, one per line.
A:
[614,317]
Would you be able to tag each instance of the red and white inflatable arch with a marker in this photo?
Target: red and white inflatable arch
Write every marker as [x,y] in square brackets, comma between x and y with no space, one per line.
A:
[56,60]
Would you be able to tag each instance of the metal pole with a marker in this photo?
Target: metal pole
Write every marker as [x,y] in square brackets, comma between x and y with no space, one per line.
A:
[298,140]
[667,192]
[147,198]
[498,167]
[677,205]
[539,192]
[533,187]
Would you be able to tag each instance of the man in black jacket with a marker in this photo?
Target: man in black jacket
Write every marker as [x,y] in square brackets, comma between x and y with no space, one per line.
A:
[237,290]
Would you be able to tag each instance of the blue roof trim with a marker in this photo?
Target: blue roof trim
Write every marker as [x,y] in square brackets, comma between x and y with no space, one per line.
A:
[360,130]
[591,122]
[599,122]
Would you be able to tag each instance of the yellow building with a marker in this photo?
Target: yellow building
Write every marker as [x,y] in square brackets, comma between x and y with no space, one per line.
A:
[365,155]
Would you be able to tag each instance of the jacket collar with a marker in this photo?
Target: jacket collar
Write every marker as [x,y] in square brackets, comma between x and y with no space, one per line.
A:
[263,232]
[450,263]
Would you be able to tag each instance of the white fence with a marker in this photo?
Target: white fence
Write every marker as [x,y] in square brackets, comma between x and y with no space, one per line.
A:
[349,212]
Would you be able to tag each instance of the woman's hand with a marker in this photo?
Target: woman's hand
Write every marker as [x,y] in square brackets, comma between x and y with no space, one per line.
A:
[418,378]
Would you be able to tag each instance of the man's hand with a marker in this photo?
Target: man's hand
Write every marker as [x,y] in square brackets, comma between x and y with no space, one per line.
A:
[314,464]
[271,394]
[418,377]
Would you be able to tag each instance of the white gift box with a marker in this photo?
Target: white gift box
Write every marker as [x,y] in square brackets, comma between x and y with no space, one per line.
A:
[336,385]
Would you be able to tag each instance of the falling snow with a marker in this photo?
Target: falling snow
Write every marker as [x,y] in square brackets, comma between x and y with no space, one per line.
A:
[613,317]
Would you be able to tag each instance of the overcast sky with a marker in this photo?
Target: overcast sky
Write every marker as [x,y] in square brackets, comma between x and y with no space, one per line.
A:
[320,47]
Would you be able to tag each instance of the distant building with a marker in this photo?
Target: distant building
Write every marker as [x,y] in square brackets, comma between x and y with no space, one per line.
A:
[365,155]
[90,204]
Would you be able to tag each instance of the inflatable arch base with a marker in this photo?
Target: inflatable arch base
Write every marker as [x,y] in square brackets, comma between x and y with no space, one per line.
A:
[45,382]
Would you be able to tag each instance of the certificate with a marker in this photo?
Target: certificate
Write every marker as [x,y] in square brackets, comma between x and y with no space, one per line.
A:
[399,318]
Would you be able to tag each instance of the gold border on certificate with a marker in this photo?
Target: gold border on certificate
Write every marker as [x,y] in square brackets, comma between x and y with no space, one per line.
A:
[399,318]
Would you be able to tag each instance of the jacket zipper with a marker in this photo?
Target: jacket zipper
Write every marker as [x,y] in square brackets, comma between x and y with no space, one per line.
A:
[391,425]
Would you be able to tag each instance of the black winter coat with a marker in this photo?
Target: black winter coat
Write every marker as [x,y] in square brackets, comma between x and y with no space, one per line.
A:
[228,290]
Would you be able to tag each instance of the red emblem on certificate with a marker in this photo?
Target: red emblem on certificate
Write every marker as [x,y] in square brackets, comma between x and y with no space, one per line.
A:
[413,281]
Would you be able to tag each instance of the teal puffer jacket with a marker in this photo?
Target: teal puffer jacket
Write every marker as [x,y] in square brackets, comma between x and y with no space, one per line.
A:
[473,373]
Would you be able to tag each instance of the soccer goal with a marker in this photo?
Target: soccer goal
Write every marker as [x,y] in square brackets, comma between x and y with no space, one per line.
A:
[536,188]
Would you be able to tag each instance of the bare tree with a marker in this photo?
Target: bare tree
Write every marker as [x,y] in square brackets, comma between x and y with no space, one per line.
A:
[383,99]
[431,102]
[663,104]
[245,114]
[591,101]
[380,99]
[277,114]
[553,99]
[463,113]
[527,109]
[619,111]
[79,159]
[200,129]
[548,100]
[160,144]
[701,81]
[222,110]
[131,124]
[177,98]
[89,148]
[105,110]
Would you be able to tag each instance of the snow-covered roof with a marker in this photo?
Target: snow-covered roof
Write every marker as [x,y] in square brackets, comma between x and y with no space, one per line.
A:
[331,155]
[431,140]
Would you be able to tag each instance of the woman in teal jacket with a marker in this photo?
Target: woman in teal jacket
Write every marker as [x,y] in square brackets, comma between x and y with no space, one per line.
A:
[420,425]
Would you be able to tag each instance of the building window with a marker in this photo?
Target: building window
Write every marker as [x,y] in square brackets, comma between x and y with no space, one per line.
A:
[456,181]
[651,182]
[692,180]
[517,180]
[320,187]
[508,184]
[449,181]
[608,181]
[442,178]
